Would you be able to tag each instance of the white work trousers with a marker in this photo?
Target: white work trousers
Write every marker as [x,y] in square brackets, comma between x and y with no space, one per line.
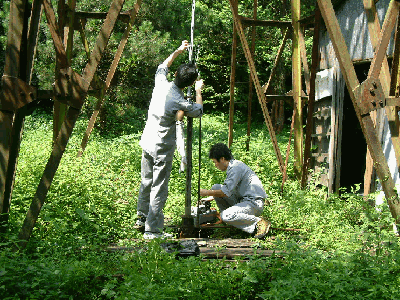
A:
[153,191]
[240,213]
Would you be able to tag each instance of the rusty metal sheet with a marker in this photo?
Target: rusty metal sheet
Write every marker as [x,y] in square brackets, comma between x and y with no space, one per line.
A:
[352,20]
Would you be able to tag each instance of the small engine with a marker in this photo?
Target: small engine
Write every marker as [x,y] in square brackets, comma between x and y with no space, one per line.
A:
[203,213]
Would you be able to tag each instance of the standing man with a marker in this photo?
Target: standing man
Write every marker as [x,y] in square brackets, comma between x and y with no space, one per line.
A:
[159,140]
[240,198]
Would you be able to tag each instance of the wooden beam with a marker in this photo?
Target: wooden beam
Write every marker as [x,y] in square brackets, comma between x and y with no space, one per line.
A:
[10,120]
[250,98]
[277,59]
[264,23]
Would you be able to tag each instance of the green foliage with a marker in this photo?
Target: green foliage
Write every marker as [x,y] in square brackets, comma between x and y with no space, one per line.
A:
[344,247]
[4,8]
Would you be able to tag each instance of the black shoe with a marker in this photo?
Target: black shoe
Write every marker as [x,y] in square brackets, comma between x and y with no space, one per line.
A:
[140,223]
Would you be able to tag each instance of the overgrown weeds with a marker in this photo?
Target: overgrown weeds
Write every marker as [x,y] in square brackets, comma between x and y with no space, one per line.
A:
[346,249]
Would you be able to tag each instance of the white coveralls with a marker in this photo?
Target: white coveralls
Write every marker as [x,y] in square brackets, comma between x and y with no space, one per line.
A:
[158,142]
[245,197]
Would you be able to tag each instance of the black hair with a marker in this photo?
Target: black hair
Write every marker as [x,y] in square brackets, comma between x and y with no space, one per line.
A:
[219,150]
[186,75]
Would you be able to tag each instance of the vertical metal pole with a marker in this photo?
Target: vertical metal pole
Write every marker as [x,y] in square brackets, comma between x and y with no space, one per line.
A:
[199,181]
[187,218]
[189,167]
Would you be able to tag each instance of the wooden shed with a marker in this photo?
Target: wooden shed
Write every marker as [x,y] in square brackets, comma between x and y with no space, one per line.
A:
[339,149]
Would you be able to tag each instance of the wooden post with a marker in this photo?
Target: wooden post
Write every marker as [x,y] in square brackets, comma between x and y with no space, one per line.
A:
[250,98]
[10,119]
[296,78]
[232,81]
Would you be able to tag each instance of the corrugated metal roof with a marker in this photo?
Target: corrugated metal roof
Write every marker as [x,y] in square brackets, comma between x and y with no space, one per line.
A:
[353,23]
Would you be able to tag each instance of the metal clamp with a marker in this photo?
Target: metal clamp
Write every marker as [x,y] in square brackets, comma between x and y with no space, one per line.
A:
[371,96]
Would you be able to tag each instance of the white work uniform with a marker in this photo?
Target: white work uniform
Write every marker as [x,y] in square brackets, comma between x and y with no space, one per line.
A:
[158,143]
[245,197]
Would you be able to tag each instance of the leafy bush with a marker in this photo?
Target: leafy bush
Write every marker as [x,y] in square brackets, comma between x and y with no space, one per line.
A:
[345,247]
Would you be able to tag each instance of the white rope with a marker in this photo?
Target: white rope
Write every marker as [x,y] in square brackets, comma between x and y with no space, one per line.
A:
[192,32]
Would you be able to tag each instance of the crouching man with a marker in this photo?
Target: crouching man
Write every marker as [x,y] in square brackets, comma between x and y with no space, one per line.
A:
[240,198]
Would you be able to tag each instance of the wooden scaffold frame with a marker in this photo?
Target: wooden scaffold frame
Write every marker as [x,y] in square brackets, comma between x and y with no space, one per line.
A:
[69,92]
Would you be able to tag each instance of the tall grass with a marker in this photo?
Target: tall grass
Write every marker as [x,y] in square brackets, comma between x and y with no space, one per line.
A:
[345,248]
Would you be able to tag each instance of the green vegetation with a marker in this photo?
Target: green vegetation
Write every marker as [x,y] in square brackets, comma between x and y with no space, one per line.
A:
[346,249]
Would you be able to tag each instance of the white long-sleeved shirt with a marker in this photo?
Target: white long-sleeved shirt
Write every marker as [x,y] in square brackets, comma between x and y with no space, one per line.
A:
[159,135]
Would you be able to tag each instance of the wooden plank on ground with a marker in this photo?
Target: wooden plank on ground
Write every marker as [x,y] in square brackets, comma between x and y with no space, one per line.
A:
[214,248]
